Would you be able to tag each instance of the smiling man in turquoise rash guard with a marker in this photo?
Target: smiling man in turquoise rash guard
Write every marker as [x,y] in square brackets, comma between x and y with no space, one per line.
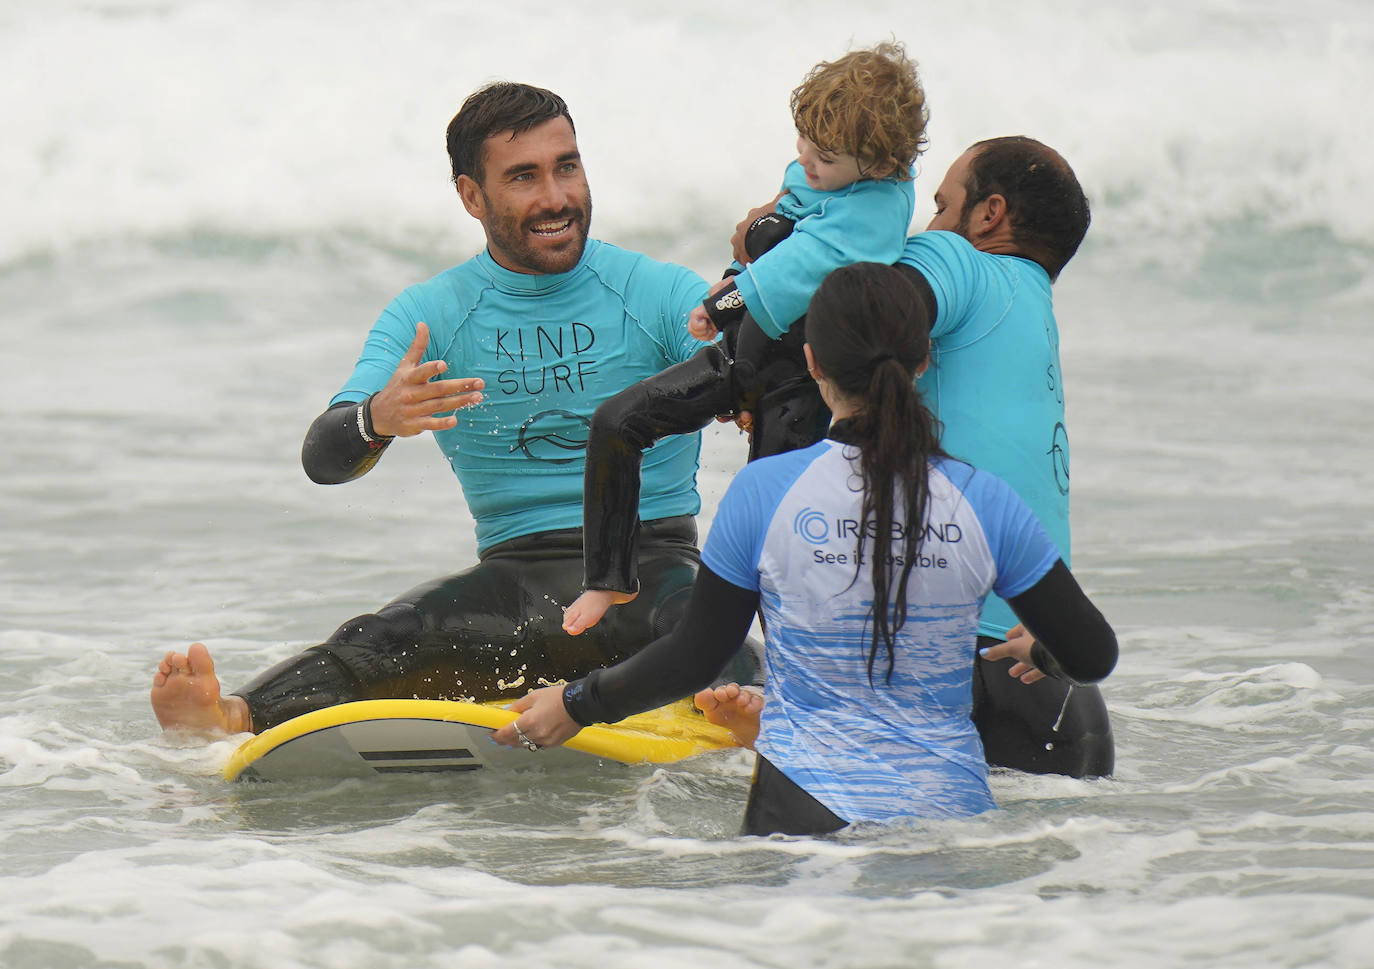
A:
[540,328]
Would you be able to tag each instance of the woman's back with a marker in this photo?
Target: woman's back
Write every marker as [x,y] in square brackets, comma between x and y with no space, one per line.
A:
[902,744]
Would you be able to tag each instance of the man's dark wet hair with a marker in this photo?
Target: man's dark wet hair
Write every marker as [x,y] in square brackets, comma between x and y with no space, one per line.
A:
[500,106]
[1046,205]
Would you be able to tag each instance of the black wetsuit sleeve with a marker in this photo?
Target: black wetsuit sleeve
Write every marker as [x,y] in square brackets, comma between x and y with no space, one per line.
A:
[923,289]
[717,620]
[1073,641]
[341,444]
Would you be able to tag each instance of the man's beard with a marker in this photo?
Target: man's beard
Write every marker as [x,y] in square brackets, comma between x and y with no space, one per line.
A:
[512,237]
[965,217]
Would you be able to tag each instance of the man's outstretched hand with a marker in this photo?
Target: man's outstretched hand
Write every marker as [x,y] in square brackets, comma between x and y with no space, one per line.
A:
[412,399]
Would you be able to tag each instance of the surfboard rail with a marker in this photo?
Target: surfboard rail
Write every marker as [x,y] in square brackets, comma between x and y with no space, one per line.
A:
[382,736]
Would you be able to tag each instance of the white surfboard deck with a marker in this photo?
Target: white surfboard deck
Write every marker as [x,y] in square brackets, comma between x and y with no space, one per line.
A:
[372,737]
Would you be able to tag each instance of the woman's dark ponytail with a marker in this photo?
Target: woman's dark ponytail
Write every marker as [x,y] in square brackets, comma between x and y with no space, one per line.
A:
[869,332]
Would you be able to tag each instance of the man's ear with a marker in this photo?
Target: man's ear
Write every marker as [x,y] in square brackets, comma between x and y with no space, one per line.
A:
[994,214]
[471,194]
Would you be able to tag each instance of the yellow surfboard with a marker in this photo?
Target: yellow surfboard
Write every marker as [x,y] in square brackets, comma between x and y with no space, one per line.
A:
[373,737]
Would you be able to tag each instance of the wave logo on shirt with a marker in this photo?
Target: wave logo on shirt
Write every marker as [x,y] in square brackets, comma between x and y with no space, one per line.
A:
[551,446]
[1059,458]
[811,526]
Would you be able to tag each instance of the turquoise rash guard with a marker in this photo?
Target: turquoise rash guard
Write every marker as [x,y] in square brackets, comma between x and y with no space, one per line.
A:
[550,348]
[995,382]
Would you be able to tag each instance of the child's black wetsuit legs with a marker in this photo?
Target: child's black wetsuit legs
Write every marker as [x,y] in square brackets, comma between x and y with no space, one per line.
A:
[684,398]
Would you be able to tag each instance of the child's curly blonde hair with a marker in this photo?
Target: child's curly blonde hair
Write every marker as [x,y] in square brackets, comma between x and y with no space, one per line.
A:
[869,104]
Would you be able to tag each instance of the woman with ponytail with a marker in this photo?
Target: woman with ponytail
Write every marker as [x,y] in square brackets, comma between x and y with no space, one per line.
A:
[870,553]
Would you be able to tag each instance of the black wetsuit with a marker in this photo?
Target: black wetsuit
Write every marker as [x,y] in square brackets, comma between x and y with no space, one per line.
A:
[491,631]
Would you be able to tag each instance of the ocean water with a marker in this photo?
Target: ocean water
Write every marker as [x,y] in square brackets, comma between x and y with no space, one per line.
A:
[203,206]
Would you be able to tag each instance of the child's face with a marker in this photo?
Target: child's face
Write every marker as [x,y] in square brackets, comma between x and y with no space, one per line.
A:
[826,171]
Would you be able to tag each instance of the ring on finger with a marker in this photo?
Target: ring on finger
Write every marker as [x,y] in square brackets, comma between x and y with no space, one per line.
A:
[526,742]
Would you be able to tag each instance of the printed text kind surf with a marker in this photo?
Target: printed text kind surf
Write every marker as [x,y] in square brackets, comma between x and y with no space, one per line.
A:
[526,349]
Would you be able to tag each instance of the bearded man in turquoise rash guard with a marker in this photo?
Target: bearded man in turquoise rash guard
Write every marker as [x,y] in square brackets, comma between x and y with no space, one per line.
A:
[1009,215]
[540,328]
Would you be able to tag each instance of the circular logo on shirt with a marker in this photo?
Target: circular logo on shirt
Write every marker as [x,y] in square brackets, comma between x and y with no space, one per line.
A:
[551,445]
[811,526]
[1059,457]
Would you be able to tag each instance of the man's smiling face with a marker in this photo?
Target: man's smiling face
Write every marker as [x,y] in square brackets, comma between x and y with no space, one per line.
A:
[533,200]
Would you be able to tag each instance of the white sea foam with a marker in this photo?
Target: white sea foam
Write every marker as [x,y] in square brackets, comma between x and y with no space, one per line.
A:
[133,120]
[230,192]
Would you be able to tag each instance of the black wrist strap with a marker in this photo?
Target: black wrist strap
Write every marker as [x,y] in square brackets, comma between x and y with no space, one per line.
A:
[725,307]
[369,434]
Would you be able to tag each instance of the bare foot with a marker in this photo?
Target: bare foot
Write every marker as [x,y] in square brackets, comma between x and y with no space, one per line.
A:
[734,707]
[186,696]
[590,606]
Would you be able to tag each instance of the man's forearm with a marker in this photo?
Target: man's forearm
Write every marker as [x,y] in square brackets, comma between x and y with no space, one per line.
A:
[1073,640]
[342,444]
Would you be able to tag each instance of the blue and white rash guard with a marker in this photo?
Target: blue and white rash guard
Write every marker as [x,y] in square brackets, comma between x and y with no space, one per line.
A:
[787,527]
